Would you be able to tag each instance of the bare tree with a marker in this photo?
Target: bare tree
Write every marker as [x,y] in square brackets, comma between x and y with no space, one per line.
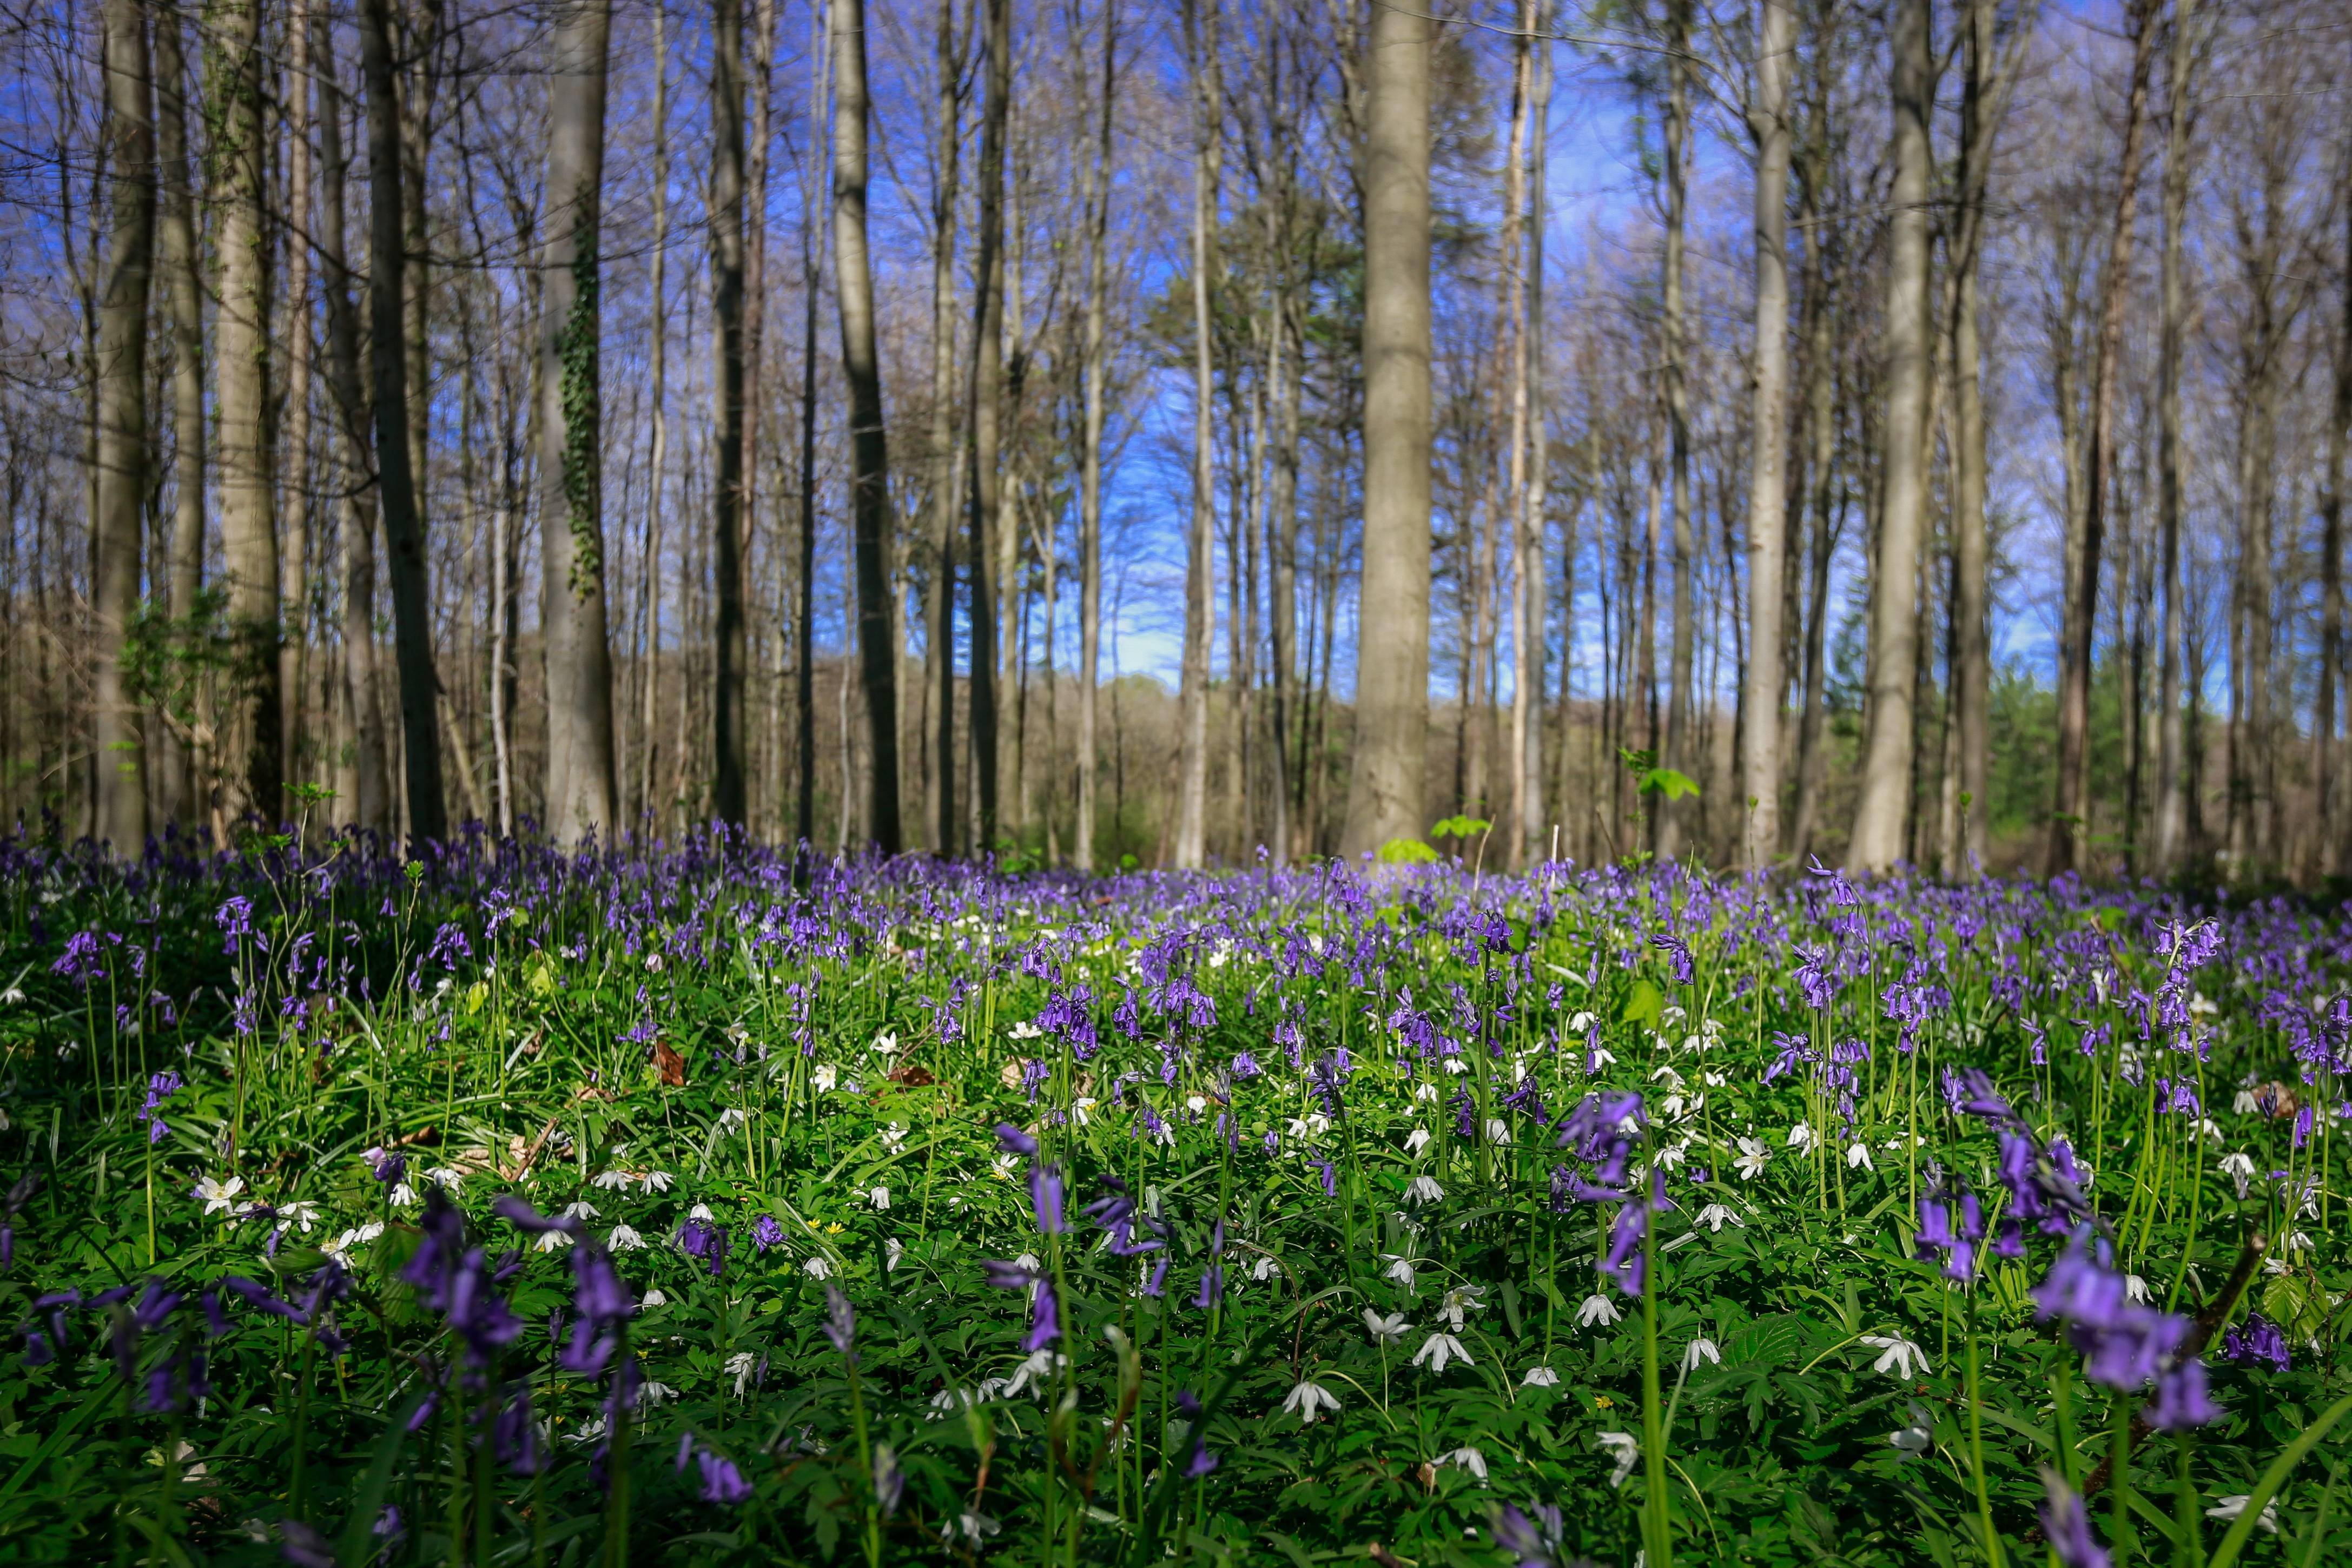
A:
[395,481]
[984,410]
[580,781]
[248,512]
[1199,560]
[177,253]
[2067,819]
[1385,784]
[119,802]
[1681,711]
[1879,826]
[1098,173]
[363,776]
[2172,763]
[1768,122]
[726,201]
[869,498]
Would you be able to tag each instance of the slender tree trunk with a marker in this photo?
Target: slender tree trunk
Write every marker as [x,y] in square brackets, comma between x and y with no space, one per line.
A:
[755,312]
[984,401]
[2068,822]
[1535,594]
[249,515]
[294,588]
[726,207]
[1887,744]
[1759,762]
[1981,102]
[1681,702]
[580,764]
[403,527]
[869,498]
[1201,43]
[2335,822]
[1386,783]
[1099,188]
[184,291]
[2172,762]
[363,781]
[119,818]
[805,614]
[657,458]
[946,453]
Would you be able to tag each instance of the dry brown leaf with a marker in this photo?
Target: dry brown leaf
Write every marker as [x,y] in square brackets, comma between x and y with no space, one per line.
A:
[669,1064]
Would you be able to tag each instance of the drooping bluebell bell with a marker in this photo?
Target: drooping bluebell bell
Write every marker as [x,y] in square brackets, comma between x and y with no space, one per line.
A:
[2257,1340]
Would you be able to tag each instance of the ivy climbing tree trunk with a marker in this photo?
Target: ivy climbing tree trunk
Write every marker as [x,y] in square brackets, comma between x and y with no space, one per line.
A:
[580,777]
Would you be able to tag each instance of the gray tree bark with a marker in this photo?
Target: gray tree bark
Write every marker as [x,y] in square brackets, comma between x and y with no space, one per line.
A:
[1386,773]
[1191,847]
[2068,823]
[1768,504]
[579,763]
[2171,765]
[984,403]
[363,778]
[869,498]
[248,512]
[183,292]
[1092,367]
[946,453]
[726,206]
[1681,713]
[395,479]
[1878,828]
[119,806]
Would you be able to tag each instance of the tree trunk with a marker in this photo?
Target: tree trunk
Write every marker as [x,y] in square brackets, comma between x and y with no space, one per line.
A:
[805,614]
[580,765]
[946,453]
[404,530]
[1099,188]
[2067,821]
[983,402]
[249,515]
[1200,44]
[363,781]
[2172,762]
[119,814]
[184,291]
[726,206]
[1759,762]
[2335,822]
[869,498]
[294,588]
[1681,703]
[1535,594]
[1385,784]
[658,456]
[1877,841]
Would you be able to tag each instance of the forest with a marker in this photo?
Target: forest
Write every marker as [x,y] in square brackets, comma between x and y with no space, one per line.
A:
[1906,434]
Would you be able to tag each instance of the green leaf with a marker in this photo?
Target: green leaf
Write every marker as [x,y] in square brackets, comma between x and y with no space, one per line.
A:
[1643,1005]
[1406,851]
[1665,782]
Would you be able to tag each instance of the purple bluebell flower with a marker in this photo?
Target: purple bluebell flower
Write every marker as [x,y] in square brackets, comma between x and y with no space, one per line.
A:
[2256,1339]
[766,1232]
[2182,1399]
[1013,1140]
[2067,1525]
[1045,1198]
[840,1321]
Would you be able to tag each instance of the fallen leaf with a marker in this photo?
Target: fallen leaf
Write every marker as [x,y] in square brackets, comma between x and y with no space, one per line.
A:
[669,1064]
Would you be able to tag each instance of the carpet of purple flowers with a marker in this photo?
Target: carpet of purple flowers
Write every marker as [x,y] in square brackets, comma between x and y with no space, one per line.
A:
[689,1203]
